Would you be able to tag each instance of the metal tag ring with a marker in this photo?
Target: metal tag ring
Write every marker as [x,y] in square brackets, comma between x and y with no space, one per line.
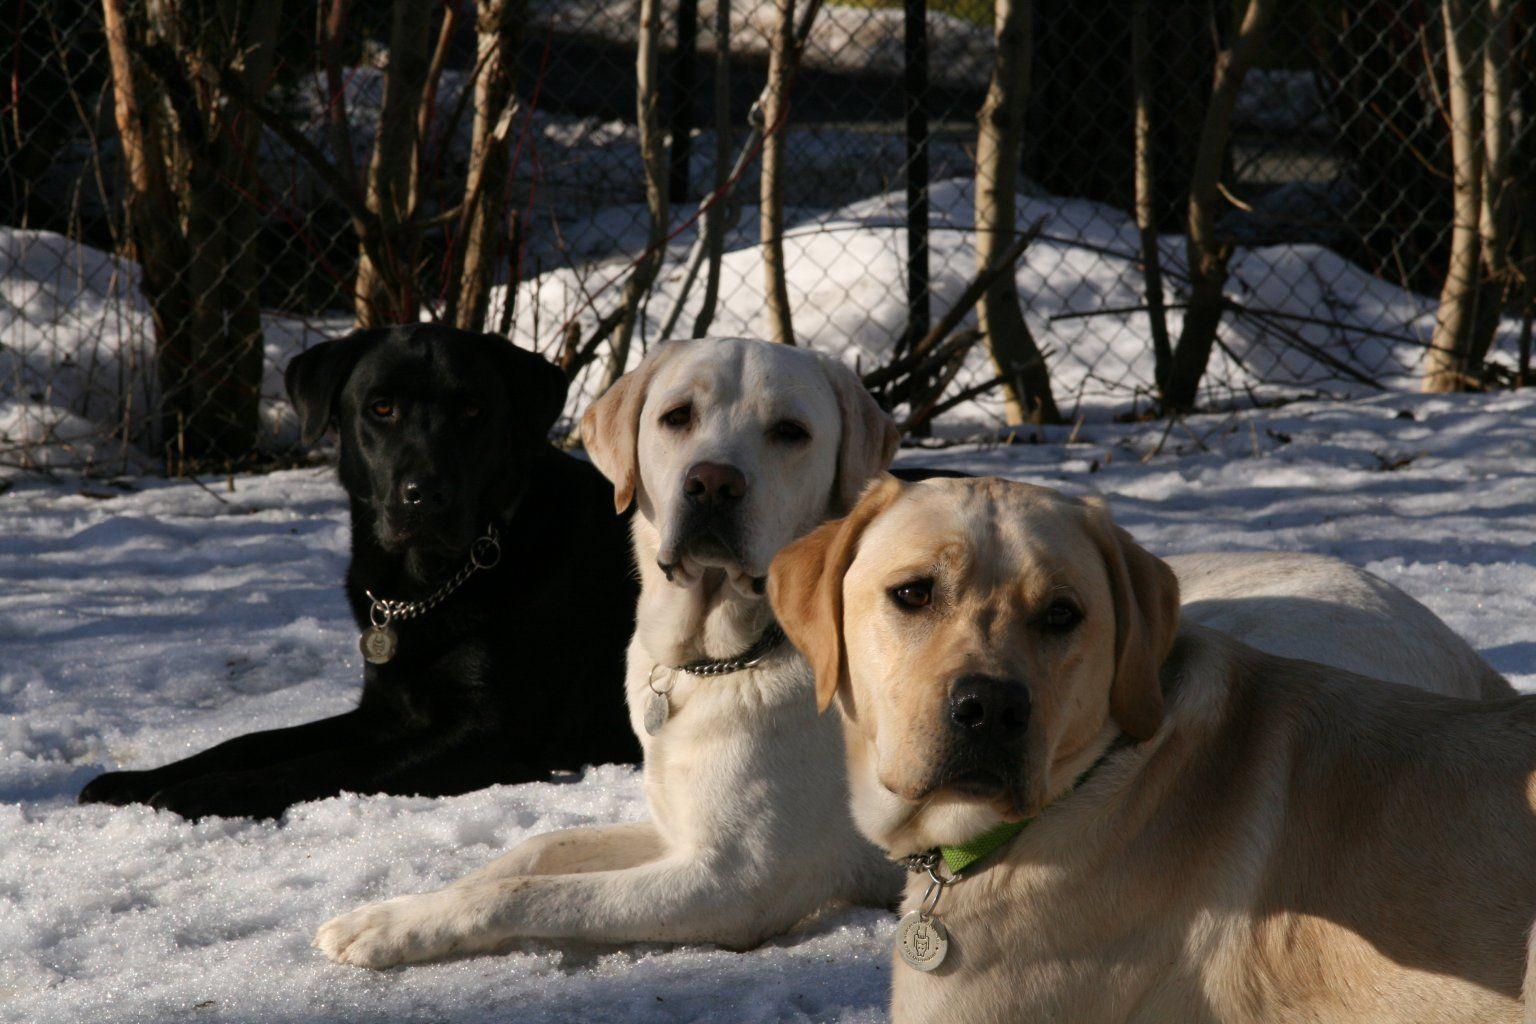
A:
[378,614]
[930,901]
[485,553]
[650,680]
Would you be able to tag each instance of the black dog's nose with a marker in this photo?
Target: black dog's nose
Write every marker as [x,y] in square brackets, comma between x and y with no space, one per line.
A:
[422,493]
[714,484]
[986,705]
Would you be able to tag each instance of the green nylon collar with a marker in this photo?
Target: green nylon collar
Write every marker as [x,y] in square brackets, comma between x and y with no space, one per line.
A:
[968,854]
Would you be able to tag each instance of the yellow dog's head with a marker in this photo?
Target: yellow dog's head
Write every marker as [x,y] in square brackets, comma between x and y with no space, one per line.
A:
[978,635]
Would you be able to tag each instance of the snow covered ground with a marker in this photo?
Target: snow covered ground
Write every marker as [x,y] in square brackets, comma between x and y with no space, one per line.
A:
[143,622]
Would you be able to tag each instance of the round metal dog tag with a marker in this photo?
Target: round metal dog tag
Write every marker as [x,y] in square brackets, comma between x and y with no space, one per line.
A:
[378,644]
[657,710]
[921,941]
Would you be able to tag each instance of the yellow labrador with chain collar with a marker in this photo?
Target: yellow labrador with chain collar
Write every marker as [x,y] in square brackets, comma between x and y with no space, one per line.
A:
[1149,821]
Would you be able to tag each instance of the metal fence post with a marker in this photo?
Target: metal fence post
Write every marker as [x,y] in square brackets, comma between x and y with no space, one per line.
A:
[915,102]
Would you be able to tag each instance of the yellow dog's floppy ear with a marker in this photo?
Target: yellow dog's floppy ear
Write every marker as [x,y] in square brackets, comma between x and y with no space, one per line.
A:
[610,428]
[805,585]
[870,437]
[1146,597]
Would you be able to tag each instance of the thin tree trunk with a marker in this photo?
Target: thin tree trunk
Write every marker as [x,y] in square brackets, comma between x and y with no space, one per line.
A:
[1146,192]
[332,33]
[1523,376]
[188,161]
[230,354]
[771,187]
[153,225]
[1027,386]
[653,155]
[682,74]
[1525,162]
[714,217]
[1496,225]
[1447,366]
[1208,255]
[498,28]
[384,292]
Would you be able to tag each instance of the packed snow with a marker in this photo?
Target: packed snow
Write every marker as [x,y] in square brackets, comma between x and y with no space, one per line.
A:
[144,620]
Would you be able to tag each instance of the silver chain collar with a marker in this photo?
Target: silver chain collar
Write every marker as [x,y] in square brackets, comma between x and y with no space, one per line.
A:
[379,643]
[765,645]
[658,707]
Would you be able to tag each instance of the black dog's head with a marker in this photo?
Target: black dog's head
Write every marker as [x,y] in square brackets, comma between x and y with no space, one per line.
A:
[439,427]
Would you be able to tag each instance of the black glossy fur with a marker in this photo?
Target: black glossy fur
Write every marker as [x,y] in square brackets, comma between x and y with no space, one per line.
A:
[519,672]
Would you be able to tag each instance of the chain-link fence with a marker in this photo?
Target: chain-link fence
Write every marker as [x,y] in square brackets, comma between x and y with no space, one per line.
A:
[193,192]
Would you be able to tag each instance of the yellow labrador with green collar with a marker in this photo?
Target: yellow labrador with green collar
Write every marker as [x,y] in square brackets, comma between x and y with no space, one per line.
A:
[1154,821]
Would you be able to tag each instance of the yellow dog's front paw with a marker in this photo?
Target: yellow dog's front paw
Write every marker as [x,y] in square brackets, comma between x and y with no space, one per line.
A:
[380,935]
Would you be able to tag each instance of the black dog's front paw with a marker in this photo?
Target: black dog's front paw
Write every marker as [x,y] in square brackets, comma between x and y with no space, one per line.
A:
[232,795]
[121,788]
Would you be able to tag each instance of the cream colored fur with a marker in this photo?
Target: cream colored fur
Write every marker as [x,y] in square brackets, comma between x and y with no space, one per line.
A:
[750,830]
[1321,609]
[1289,842]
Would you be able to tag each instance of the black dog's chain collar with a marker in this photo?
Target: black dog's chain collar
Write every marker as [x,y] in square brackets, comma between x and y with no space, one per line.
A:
[658,708]
[379,642]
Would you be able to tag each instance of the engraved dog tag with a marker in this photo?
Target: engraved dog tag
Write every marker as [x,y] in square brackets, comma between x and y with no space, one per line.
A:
[378,644]
[921,941]
[657,710]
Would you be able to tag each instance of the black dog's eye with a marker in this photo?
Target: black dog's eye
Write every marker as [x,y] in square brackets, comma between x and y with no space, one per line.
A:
[382,408]
[1060,617]
[469,411]
[790,431]
[679,417]
[917,594]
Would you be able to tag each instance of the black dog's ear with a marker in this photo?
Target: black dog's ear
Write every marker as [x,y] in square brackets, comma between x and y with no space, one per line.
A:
[314,379]
[535,386]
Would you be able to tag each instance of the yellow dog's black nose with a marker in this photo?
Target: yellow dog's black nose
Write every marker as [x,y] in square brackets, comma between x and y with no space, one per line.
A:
[989,706]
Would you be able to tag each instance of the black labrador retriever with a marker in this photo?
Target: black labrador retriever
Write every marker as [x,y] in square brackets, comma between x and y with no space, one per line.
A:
[502,588]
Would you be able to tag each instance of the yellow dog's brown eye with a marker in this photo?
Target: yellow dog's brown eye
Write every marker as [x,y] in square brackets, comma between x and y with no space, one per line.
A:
[789,430]
[917,594]
[1061,616]
[678,417]
[383,408]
